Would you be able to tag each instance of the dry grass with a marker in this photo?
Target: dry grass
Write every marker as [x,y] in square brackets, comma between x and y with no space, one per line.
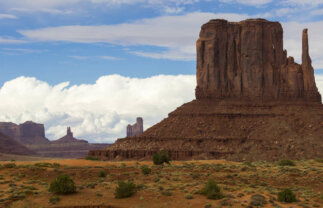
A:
[26,185]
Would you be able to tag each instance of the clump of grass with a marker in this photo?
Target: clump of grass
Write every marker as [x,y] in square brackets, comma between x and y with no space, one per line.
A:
[9,165]
[125,189]
[63,184]
[286,162]
[211,190]
[286,196]
[91,158]
[145,170]
[102,174]
[161,157]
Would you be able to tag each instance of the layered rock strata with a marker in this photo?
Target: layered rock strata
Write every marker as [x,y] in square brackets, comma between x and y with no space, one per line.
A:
[252,102]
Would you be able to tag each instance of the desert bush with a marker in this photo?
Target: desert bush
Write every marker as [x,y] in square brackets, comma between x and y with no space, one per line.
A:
[9,165]
[211,190]
[286,162]
[91,158]
[63,184]
[125,189]
[161,157]
[286,196]
[102,174]
[54,199]
[145,170]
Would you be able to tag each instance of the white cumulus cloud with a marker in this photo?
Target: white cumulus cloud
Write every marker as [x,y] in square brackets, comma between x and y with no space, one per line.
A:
[98,112]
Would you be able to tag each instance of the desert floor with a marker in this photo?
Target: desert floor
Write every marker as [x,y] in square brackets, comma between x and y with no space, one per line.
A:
[25,184]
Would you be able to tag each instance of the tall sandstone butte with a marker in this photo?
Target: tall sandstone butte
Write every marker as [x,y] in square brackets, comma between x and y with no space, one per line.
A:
[246,60]
[252,102]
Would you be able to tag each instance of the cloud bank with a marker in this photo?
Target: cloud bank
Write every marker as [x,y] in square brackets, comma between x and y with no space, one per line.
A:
[97,112]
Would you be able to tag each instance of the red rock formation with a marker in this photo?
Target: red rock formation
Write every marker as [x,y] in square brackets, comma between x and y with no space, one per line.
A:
[28,133]
[252,102]
[68,138]
[10,146]
[246,60]
[135,129]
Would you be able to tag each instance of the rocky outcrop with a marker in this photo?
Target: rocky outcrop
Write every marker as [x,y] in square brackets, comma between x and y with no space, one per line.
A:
[28,133]
[68,138]
[252,102]
[246,60]
[135,129]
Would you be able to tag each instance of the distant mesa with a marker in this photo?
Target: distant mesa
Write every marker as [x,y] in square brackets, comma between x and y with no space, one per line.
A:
[11,146]
[253,102]
[29,137]
[68,138]
[135,129]
[27,133]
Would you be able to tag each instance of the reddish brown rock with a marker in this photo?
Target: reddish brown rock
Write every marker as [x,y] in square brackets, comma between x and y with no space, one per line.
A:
[68,138]
[135,129]
[246,60]
[28,133]
[10,146]
[252,102]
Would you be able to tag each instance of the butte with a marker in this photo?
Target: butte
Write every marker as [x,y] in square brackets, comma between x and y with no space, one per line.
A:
[252,102]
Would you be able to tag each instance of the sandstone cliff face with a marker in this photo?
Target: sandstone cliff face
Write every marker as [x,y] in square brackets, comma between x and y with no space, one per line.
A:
[252,102]
[246,60]
[27,133]
[135,129]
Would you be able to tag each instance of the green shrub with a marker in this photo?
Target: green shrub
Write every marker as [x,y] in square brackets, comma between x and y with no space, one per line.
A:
[161,157]
[145,170]
[286,196]
[125,189]
[9,165]
[63,184]
[91,158]
[54,199]
[102,174]
[211,190]
[286,163]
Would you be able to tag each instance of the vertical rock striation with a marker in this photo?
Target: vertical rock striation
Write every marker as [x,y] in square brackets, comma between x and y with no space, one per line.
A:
[246,61]
[135,129]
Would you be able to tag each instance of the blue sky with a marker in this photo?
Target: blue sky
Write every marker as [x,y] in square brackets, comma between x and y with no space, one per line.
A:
[47,44]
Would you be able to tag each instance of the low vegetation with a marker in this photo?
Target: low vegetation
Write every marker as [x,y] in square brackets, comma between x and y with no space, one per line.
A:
[63,184]
[286,196]
[211,190]
[183,184]
[125,189]
[91,158]
[161,157]
[286,162]
[145,170]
